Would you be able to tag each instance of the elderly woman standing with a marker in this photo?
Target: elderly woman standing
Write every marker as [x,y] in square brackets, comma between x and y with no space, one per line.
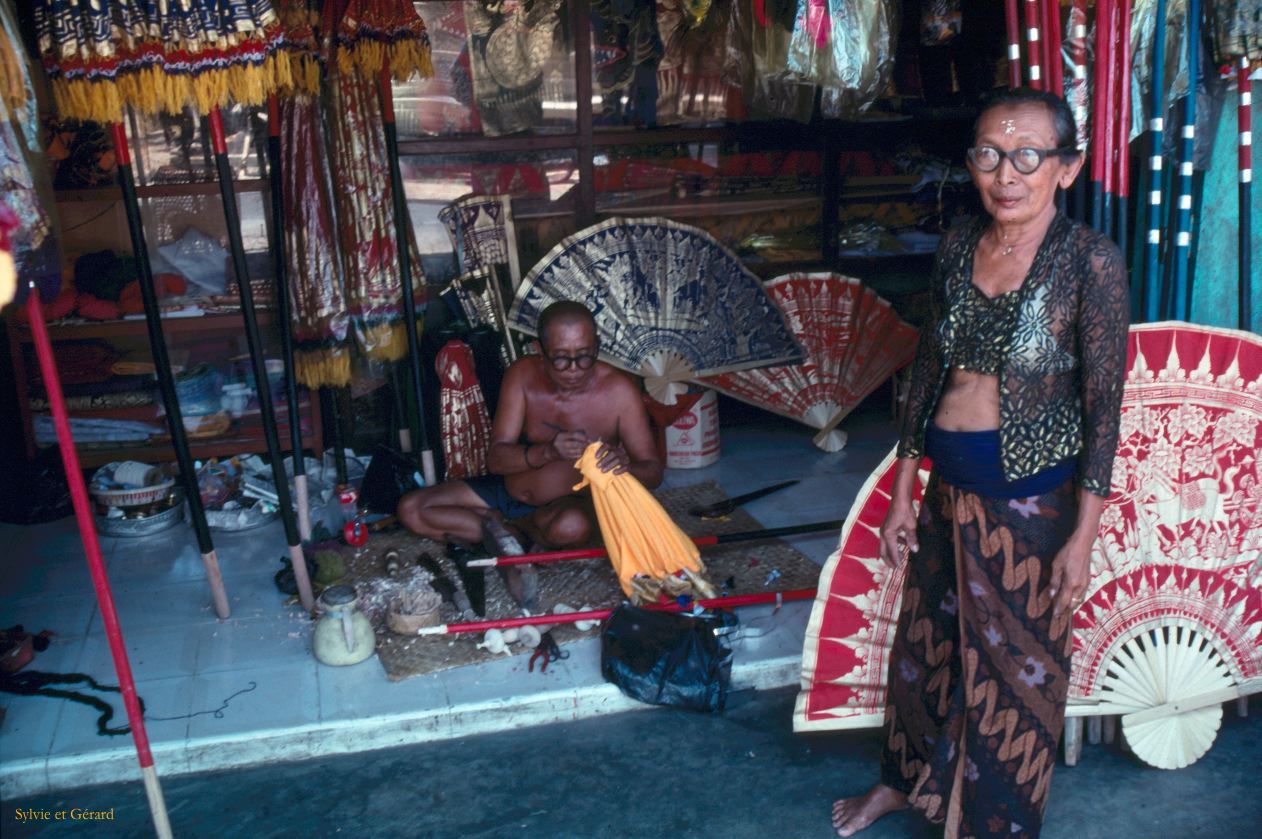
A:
[1015,397]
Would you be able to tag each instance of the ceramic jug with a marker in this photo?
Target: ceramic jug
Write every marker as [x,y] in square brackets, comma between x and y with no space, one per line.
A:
[343,635]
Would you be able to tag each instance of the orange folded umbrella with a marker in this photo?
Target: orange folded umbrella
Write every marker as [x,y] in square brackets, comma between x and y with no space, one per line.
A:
[650,554]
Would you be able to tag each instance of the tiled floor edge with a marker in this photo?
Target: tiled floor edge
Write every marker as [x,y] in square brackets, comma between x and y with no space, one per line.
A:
[356,735]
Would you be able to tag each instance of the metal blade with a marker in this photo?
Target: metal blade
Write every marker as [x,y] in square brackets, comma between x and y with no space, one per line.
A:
[722,508]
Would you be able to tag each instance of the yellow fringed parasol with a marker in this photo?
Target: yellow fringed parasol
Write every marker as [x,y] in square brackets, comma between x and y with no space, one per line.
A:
[650,554]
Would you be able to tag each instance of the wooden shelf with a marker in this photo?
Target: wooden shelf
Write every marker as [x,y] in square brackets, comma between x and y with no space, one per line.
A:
[91,457]
[210,325]
[113,193]
[83,330]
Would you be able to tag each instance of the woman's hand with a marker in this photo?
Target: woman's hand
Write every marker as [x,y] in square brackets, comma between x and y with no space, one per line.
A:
[1071,572]
[898,535]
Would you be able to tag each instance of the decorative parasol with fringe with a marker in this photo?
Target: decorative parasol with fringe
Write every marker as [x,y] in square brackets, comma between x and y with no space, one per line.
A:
[159,57]
[671,304]
[1172,624]
[649,552]
[466,424]
[853,342]
[368,35]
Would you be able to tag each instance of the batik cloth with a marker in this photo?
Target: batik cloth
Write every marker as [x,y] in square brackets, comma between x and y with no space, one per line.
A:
[979,670]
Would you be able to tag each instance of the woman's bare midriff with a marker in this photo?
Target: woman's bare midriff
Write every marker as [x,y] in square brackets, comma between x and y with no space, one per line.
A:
[969,402]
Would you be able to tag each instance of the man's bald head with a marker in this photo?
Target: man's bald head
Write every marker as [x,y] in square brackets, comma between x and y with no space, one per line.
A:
[564,313]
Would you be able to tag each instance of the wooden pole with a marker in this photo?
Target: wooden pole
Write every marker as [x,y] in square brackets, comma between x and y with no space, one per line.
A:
[1055,40]
[276,190]
[1183,235]
[1244,117]
[1123,141]
[1013,24]
[699,541]
[401,224]
[162,369]
[264,393]
[96,563]
[1156,126]
[1034,49]
[1107,87]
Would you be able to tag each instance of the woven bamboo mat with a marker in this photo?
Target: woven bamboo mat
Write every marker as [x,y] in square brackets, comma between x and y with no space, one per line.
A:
[740,568]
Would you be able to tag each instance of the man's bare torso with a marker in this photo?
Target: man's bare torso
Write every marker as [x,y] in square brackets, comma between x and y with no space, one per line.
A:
[595,410]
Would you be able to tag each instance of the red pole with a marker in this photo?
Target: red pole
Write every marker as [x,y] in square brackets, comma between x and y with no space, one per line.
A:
[1244,115]
[1034,48]
[1053,37]
[1014,43]
[1100,103]
[761,598]
[96,564]
[1108,88]
[1123,141]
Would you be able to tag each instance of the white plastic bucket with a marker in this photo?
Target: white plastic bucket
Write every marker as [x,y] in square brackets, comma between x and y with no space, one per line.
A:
[692,441]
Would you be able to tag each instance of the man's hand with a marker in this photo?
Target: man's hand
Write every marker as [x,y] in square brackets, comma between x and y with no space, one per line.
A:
[570,445]
[612,458]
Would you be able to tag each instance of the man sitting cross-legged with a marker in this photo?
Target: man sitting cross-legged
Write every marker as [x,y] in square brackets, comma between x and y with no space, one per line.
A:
[551,407]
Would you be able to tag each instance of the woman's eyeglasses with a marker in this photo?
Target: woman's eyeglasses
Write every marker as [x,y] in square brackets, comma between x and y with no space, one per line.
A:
[563,362]
[1025,160]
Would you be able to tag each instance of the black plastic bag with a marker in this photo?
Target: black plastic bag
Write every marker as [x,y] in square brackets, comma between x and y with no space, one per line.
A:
[664,658]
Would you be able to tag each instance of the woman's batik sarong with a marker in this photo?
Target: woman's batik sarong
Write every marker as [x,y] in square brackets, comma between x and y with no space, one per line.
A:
[979,671]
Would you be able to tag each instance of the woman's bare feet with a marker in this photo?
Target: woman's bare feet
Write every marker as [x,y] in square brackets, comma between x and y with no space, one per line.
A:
[850,815]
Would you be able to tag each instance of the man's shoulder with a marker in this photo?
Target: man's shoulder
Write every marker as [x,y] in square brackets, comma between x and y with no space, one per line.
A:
[611,379]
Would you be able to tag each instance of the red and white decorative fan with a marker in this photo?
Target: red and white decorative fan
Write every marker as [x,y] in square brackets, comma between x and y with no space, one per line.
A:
[851,632]
[1172,624]
[852,340]
[466,424]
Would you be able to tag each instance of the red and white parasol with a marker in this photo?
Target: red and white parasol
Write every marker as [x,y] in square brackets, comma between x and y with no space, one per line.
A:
[466,424]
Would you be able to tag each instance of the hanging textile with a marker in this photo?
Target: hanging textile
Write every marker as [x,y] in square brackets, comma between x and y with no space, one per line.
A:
[771,88]
[509,50]
[25,185]
[313,267]
[650,554]
[626,48]
[1143,28]
[1235,29]
[104,55]
[365,217]
[847,47]
[466,424]
[692,82]
[368,33]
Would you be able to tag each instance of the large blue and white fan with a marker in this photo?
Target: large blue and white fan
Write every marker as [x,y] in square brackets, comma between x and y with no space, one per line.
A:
[671,304]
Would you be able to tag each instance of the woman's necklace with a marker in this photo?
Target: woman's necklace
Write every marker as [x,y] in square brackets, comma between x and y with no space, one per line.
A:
[1007,246]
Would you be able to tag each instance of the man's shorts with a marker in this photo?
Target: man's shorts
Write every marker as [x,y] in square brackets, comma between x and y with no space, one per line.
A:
[494,491]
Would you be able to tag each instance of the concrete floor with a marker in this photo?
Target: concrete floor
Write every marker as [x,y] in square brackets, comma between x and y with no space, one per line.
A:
[656,774]
[187,662]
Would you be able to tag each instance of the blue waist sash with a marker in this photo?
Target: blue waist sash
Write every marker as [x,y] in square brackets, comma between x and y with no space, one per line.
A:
[969,460]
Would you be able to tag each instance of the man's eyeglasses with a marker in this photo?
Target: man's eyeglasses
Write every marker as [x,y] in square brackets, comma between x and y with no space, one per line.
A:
[1025,159]
[563,362]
